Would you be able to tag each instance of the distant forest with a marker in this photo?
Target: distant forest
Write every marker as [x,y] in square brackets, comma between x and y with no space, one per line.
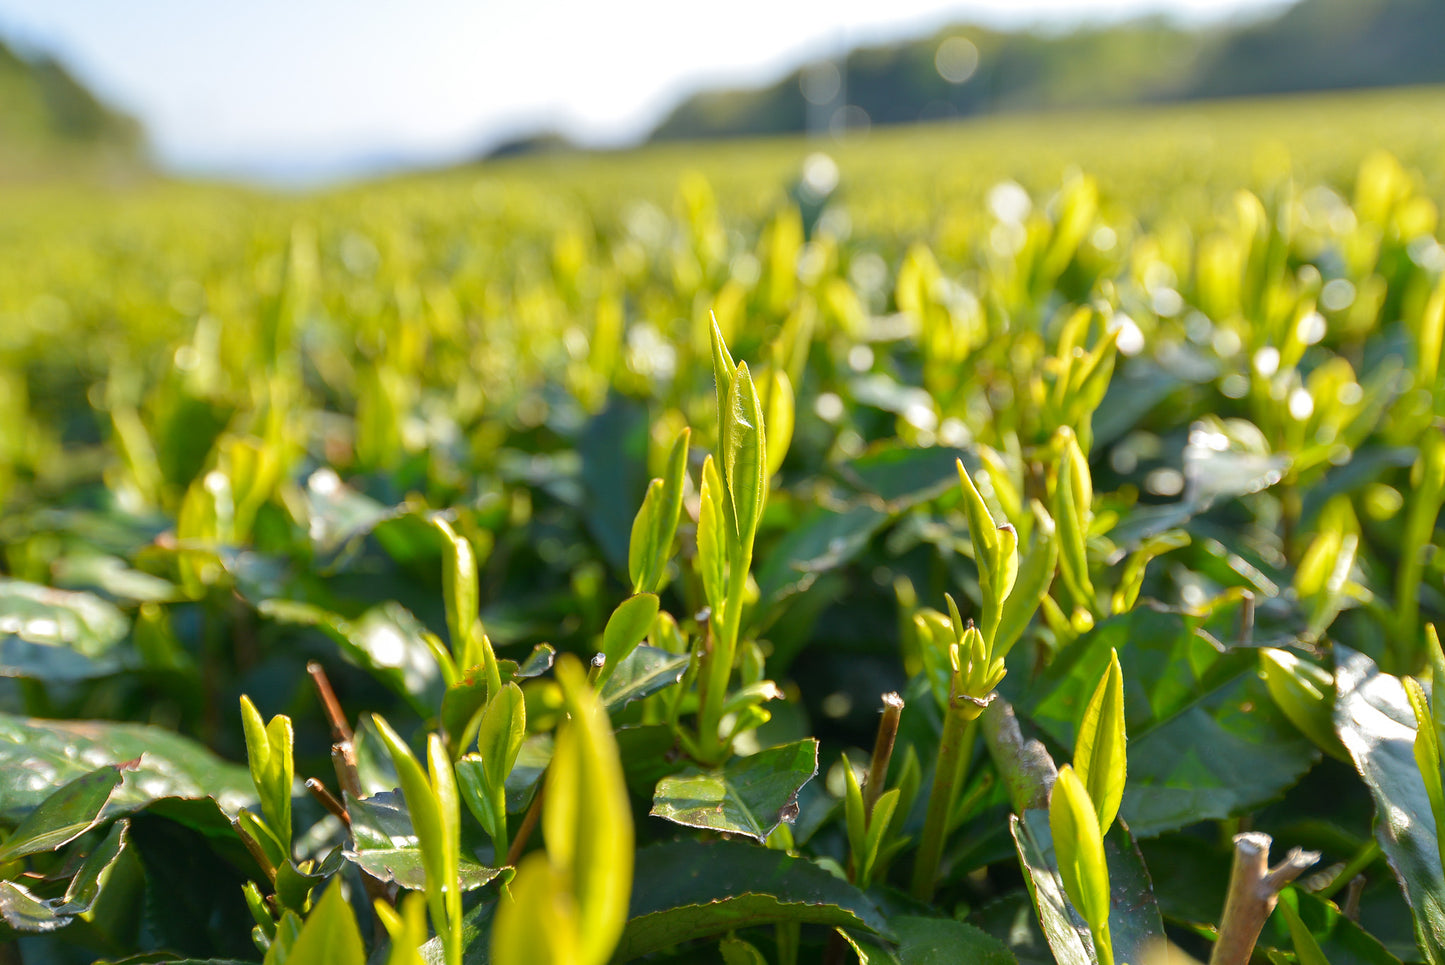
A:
[967,70]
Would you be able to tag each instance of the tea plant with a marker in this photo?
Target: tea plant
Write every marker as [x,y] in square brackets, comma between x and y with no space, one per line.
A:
[731,570]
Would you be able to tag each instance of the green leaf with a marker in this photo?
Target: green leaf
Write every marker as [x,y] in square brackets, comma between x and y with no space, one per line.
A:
[823,540]
[641,546]
[1305,693]
[36,755]
[536,923]
[656,523]
[405,928]
[1079,851]
[901,477]
[577,891]
[386,845]
[751,795]
[944,941]
[641,674]
[1134,922]
[686,890]
[1337,939]
[1099,753]
[269,755]
[527,771]
[1073,499]
[1306,949]
[735,951]
[1035,574]
[461,594]
[982,531]
[499,739]
[24,912]
[723,369]
[627,627]
[84,889]
[64,816]
[1205,739]
[421,803]
[712,537]
[58,635]
[587,820]
[1376,725]
[1427,750]
[779,415]
[613,446]
[330,935]
[744,454]
[387,641]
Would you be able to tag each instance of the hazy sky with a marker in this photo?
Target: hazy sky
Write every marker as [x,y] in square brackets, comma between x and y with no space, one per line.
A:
[298,87]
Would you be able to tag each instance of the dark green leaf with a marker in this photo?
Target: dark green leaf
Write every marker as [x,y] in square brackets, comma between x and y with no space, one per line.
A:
[943,941]
[386,844]
[85,887]
[57,635]
[751,795]
[385,640]
[110,576]
[1375,723]
[686,890]
[24,912]
[1134,922]
[822,541]
[643,673]
[1341,941]
[614,471]
[527,771]
[36,755]
[1205,739]
[63,816]
[902,478]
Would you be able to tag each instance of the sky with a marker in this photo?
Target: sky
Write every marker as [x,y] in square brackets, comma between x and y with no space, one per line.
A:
[302,90]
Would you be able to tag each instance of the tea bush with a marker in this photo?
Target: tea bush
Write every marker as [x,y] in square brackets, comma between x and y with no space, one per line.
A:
[980,544]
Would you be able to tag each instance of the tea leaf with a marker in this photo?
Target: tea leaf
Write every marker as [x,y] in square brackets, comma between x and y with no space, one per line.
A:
[745,885]
[63,816]
[751,795]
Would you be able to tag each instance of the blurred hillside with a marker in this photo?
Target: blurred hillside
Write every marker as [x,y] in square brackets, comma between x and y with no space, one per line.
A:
[51,123]
[965,71]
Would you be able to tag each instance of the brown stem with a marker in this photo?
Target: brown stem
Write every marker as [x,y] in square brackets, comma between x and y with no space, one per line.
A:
[343,758]
[1254,889]
[1025,765]
[529,824]
[340,729]
[328,800]
[1246,619]
[882,752]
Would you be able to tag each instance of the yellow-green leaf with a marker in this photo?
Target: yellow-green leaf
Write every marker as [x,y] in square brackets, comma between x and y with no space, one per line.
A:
[1099,755]
[503,728]
[627,627]
[1079,847]
[536,921]
[330,935]
[744,454]
[712,537]
[587,819]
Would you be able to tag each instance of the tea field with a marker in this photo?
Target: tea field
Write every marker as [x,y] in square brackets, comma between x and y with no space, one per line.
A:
[977,543]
